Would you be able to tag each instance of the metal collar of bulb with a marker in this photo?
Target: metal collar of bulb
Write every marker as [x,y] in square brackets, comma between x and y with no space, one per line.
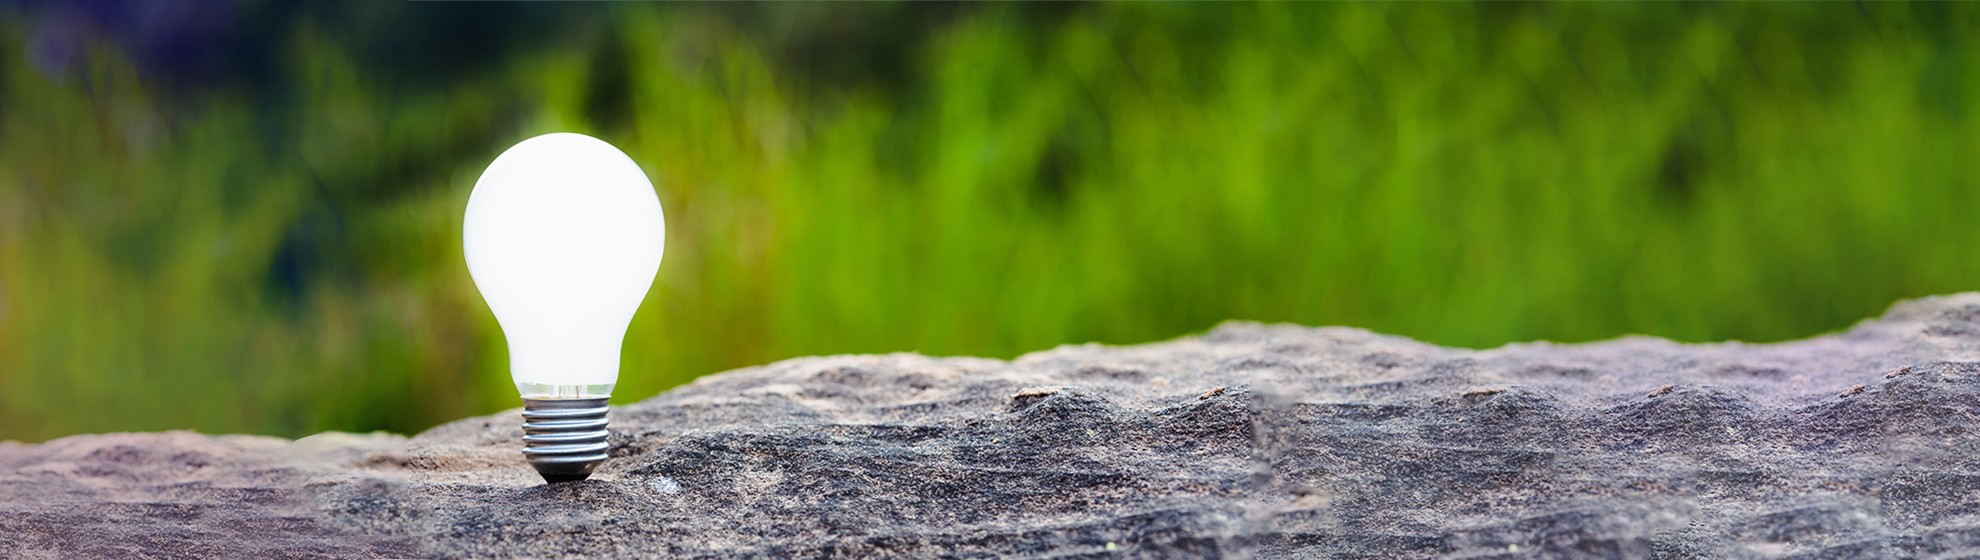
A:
[565,438]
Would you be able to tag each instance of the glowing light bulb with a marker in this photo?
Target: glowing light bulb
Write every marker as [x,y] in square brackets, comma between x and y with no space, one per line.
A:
[563,235]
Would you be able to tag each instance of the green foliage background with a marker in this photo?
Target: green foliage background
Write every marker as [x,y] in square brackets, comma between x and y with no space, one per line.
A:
[275,249]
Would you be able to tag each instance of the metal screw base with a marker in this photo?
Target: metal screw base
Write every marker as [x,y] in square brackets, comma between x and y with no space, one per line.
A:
[564,438]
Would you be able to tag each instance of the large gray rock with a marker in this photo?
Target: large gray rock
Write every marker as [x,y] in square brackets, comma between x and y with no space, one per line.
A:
[1252,440]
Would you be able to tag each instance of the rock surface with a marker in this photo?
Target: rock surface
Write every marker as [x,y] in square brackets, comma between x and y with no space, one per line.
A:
[1249,441]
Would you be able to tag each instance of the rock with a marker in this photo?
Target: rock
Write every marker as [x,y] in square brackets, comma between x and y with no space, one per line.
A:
[1251,440]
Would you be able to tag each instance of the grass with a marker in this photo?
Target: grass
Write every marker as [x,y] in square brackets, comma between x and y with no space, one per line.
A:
[285,258]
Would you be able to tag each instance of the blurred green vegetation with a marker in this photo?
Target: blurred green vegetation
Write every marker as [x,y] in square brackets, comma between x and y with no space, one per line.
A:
[267,238]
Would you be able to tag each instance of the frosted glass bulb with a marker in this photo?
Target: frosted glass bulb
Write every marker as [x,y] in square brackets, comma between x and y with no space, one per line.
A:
[563,235]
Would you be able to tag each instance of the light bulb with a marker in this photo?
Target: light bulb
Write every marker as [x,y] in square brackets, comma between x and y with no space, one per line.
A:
[563,235]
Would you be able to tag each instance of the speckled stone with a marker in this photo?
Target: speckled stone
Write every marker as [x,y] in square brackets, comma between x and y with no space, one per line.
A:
[1249,441]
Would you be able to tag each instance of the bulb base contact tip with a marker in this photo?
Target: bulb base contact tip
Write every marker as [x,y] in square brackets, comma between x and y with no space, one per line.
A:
[565,438]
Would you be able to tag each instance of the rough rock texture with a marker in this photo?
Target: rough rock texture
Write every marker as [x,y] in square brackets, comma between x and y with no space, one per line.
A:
[1252,440]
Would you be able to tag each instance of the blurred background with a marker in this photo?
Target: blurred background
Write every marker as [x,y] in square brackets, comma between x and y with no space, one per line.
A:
[245,217]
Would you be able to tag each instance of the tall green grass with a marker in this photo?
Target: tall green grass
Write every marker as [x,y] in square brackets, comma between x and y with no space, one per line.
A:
[1464,174]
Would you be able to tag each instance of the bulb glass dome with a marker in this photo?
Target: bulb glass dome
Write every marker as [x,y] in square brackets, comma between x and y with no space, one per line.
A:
[563,236]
